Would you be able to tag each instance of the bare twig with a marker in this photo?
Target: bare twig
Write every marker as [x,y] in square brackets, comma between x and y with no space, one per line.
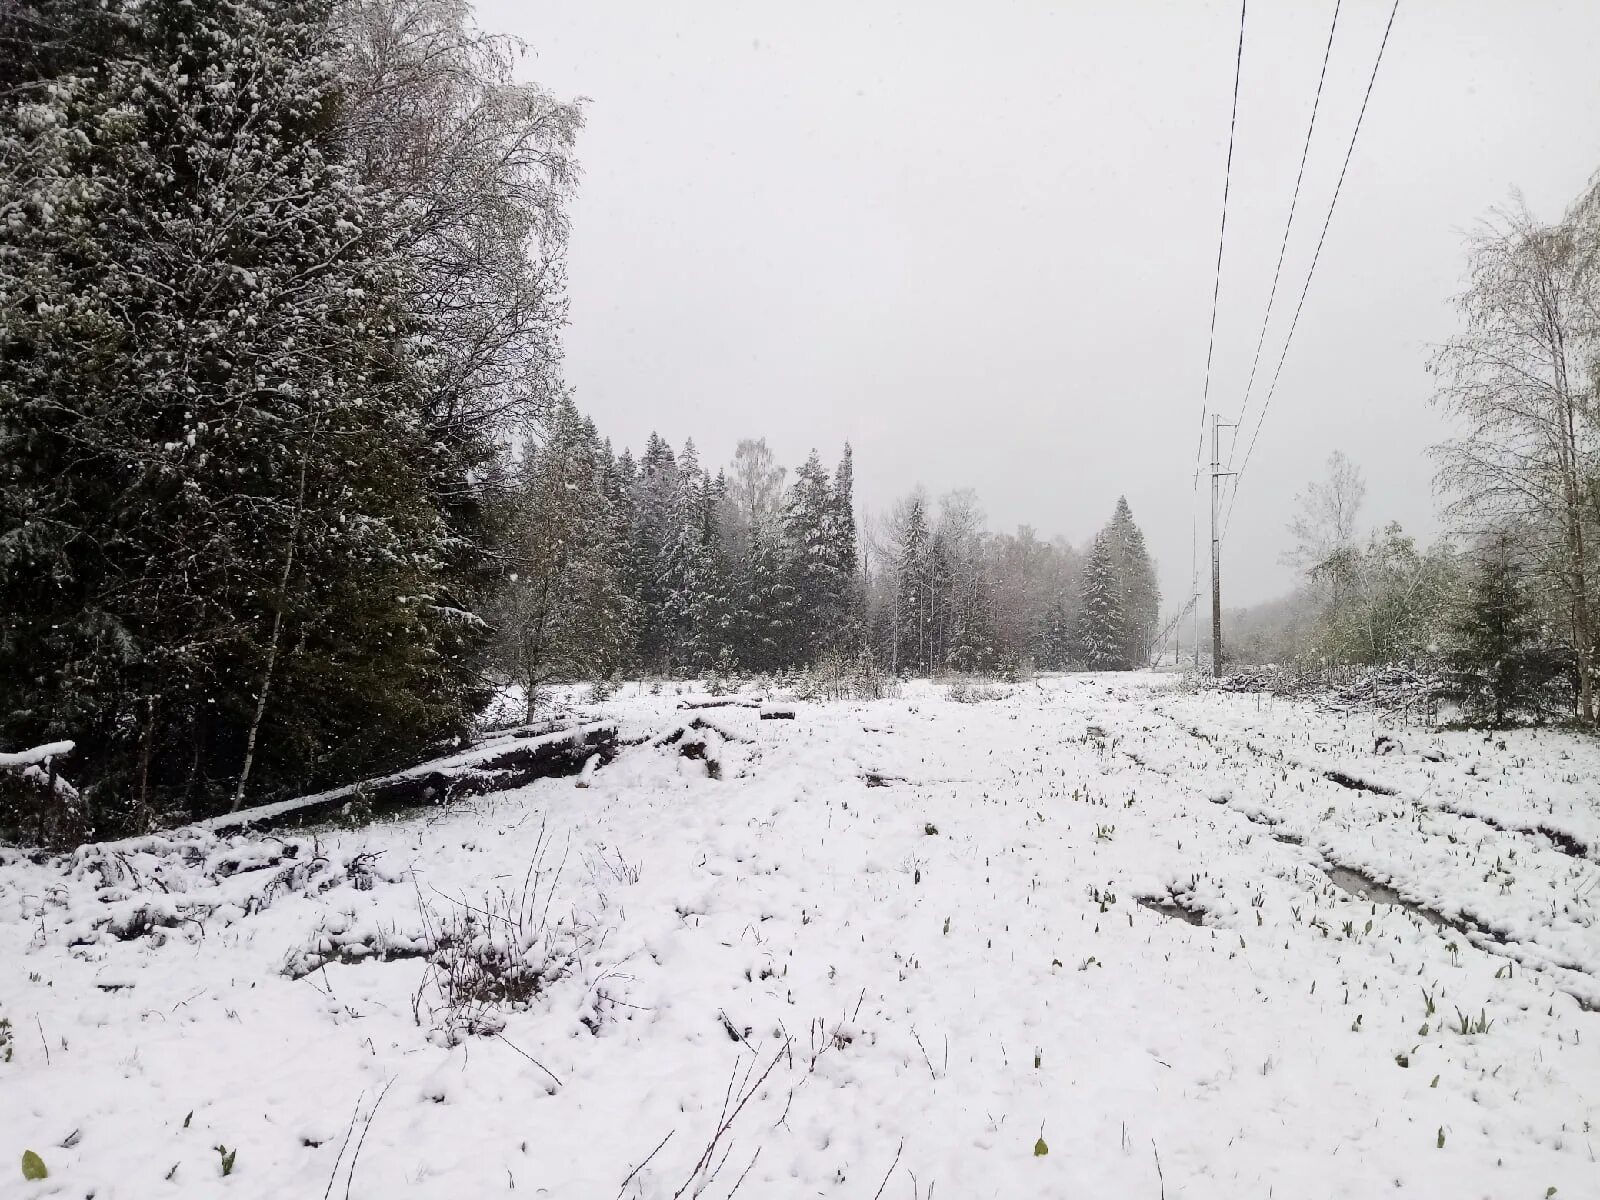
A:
[932,1074]
[531,1059]
[645,1163]
[738,1183]
[879,1193]
[725,1119]
[366,1127]
[334,1174]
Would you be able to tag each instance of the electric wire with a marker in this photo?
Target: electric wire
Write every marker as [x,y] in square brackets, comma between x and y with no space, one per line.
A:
[1311,272]
[1288,225]
[1222,237]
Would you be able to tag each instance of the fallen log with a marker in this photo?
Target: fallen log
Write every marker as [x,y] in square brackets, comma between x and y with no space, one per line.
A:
[37,756]
[34,793]
[503,762]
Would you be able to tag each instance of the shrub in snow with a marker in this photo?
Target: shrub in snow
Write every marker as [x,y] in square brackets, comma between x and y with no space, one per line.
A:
[485,961]
[724,678]
[964,691]
[837,676]
[497,954]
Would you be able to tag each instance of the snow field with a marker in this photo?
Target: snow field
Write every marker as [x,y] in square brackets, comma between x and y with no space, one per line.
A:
[887,951]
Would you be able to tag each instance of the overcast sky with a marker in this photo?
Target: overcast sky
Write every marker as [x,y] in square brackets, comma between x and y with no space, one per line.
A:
[977,240]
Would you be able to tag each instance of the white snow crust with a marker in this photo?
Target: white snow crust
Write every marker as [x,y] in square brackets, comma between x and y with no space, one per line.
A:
[885,947]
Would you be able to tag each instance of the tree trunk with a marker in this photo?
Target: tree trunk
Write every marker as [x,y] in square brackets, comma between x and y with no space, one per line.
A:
[1567,458]
[146,746]
[280,601]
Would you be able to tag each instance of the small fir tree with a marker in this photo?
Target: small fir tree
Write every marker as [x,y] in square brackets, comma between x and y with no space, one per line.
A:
[1495,633]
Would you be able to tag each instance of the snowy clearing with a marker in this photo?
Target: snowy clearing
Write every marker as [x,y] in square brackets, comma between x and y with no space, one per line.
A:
[1192,945]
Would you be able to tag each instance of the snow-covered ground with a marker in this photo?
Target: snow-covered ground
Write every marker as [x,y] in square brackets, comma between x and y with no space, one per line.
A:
[891,949]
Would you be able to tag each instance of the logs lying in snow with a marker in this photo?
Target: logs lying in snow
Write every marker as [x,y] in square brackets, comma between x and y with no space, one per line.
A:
[504,761]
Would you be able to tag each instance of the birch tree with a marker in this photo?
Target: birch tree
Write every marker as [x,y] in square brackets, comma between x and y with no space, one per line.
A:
[1518,378]
[474,167]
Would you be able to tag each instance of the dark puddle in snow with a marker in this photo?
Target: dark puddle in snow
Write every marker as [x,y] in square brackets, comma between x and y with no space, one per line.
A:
[1365,887]
[1498,942]
[1172,910]
[1560,839]
[1565,842]
[1358,785]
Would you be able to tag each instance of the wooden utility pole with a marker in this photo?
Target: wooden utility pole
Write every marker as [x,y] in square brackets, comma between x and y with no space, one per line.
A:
[1216,546]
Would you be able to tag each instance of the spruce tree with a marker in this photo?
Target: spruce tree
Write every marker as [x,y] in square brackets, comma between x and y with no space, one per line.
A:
[1102,632]
[810,529]
[1058,636]
[766,617]
[1494,668]
[1138,592]
[689,566]
[909,645]
[562,613]
[849,620]
[653,500]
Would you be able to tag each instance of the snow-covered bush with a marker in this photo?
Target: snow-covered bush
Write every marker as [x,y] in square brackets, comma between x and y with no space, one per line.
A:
[498,954]
[724,677]
[484,961]
[836,676]
[964,691]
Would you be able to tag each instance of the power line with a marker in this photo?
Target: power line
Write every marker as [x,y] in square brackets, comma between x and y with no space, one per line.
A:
[1326,221]
[1211,340]
[1222,234]
[1283,245]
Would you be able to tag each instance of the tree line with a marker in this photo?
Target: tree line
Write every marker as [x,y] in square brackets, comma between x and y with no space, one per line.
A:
[290,482]
[661,566]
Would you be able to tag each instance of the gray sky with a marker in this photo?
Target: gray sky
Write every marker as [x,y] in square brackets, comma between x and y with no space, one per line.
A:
[977,240]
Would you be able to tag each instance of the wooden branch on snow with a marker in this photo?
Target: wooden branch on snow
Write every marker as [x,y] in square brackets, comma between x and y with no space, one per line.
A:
[503,762]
